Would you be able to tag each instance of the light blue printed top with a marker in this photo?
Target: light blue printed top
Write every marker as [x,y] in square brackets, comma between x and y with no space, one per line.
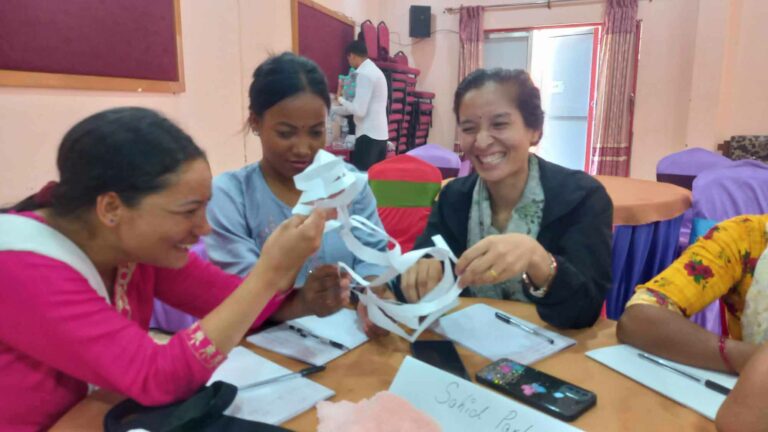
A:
[243,212]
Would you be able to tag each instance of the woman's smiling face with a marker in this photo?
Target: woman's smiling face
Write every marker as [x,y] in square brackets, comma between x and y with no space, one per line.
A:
[165,224]
[492,132]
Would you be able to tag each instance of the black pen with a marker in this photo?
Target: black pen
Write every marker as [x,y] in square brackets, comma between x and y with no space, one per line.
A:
[302,373]
[306,333]
[509,320]
[707,383]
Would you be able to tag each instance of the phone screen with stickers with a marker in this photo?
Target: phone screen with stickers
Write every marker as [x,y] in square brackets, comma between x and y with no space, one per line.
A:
[537,389]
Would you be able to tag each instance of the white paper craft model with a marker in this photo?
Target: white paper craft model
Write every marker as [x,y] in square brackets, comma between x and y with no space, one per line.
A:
[327,183]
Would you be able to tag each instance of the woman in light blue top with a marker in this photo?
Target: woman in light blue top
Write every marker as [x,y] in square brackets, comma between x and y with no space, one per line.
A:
[289,102]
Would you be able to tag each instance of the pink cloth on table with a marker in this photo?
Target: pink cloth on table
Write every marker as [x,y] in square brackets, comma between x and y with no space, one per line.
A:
[384,412]
[58,334]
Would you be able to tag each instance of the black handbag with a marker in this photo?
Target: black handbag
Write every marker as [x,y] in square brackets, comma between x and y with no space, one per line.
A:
[202,412]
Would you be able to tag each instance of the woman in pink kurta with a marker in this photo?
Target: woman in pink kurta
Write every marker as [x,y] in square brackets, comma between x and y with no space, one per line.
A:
[132,197]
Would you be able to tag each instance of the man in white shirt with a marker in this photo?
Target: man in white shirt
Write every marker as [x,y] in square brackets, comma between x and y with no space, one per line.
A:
[369,108]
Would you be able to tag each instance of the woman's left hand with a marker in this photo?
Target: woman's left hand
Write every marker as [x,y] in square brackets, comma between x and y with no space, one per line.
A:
[371,330]
[497,258]
[324,292]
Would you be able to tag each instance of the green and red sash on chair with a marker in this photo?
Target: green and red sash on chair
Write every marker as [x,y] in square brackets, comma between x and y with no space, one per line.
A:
[405,188]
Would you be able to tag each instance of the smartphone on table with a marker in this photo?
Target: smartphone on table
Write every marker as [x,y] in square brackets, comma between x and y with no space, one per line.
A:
[537,389]
[440,354]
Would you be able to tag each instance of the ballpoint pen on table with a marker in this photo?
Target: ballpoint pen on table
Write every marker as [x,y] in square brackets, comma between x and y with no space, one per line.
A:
[302,373]
[707,383]
[511,321]
[306,333]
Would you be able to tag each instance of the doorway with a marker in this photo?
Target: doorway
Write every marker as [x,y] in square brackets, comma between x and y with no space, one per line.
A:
[562,62]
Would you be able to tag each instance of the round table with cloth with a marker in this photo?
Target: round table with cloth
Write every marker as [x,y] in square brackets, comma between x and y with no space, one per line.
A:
[622,404]
[646,225]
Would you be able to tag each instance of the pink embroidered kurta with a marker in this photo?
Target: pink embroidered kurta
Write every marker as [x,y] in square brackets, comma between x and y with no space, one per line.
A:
[57,335]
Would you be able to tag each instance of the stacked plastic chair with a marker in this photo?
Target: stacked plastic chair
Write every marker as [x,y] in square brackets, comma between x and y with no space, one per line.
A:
[719,194]
[382,32]
[421,117]
[405,188]
[369,35]
[440,157]
[401,81]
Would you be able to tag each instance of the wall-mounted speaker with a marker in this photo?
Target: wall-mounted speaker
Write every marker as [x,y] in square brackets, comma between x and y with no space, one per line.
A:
[419,25]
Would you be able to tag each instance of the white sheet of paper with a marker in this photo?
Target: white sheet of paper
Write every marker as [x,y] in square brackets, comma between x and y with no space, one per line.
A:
[477,328]
[271,403]
[624,359]
[341,327]
[460,405]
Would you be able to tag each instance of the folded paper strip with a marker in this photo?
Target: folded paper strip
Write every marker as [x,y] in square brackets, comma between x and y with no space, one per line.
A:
[328,183]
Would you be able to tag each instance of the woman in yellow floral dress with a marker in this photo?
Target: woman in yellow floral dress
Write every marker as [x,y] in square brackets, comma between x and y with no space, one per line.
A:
[727,263]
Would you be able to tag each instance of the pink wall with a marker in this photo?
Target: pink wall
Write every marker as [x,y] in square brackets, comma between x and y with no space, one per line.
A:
[710,85]
[701,74]
[260,35]
[32,121]
[664,72]
[749,102]
[729,94]
[223,42]
[701,78]
[663,83]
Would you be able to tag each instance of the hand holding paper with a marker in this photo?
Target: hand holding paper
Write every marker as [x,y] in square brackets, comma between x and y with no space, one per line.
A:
[289,246]
[324,292]
[369,328]
[497,258]
[327,183]
[420,279]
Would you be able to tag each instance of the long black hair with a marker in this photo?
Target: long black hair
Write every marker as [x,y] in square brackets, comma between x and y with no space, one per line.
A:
[282,76]
[130,151]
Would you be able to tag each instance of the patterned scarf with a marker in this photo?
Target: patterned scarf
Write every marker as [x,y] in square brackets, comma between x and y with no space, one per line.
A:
[525,219]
